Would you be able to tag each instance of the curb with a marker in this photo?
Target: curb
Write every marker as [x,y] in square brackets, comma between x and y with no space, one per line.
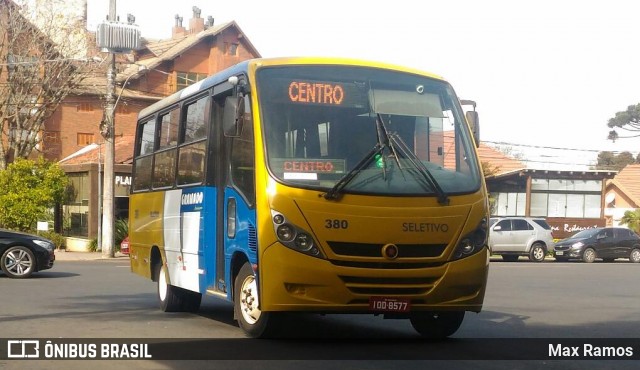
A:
[87,256]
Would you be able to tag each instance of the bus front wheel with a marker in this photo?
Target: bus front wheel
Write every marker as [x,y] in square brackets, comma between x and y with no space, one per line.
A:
[437,325]
[251,319]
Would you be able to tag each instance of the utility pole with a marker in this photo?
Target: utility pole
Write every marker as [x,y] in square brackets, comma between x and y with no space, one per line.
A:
[115,38]
[108,132]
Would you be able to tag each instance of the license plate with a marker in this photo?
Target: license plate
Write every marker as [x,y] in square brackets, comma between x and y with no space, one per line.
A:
[389,304]
[559,253]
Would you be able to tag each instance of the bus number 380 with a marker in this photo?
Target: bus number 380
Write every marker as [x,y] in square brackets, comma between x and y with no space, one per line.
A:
[336,224]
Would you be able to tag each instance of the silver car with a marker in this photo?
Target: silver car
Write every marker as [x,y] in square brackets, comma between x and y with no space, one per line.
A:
[512,237]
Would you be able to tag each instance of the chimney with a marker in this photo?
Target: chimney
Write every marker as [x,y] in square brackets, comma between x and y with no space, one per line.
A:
[178,31]
[196,24]
[209,22]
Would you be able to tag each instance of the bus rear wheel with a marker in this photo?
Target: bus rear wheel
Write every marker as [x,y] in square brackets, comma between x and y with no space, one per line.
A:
[254,322]
[437,325]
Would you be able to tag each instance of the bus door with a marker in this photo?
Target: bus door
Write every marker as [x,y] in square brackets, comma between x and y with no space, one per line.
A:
[237,221]
[221,225]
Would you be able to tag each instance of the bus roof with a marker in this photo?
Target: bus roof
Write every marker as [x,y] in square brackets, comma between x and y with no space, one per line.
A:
[244,66]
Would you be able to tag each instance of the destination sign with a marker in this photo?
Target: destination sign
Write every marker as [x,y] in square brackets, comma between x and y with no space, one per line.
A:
[310,92]
[308,165]
[316,92]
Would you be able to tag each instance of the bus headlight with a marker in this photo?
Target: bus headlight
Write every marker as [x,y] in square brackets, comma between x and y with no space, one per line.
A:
[473,242]
[294,237]
[304,241]
[285,233]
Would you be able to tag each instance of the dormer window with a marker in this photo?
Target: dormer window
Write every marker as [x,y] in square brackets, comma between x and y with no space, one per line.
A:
[231,48]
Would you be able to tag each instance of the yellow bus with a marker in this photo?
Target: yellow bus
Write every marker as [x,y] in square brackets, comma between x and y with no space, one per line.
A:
[321,185]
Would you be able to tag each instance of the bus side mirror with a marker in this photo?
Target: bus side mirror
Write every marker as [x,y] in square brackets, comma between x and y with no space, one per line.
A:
[231,122]
[474,125]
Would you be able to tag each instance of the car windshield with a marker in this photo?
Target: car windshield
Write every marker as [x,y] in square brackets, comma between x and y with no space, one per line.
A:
[341,129]
[585,233]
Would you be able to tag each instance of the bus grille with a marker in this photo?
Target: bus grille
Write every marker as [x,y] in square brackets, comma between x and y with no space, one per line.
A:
[375,250]
[389,285]
[253,238]
[386,265]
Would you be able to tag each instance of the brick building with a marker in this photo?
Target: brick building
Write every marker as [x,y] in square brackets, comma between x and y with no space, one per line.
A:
[159,68]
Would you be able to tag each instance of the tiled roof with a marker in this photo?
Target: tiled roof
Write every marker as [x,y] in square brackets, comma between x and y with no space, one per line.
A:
[496,159]
[92,154]
[170,49]
[160,47]
[628,180]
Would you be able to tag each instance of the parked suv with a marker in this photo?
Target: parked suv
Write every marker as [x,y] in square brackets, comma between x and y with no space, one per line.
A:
[607,243]
[512,237]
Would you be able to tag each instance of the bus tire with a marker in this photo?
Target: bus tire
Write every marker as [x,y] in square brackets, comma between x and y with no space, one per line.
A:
[254,322]
[437,325]
[169,296]
[190,300]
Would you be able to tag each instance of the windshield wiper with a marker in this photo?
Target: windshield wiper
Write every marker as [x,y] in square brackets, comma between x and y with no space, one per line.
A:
[378,149]
[394,140]
[395,144]
[334,193]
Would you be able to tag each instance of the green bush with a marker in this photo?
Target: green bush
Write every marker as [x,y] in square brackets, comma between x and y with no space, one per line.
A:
[93,245]
[120,232]
[56,238]
[28,189]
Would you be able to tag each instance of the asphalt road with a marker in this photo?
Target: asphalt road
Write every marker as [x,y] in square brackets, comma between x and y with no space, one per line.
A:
[102,299]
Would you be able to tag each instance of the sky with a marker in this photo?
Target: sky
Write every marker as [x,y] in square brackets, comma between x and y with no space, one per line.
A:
[546,74]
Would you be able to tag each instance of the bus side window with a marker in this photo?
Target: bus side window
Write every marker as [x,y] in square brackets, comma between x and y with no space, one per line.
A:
[143,163]
[192,151]
[242,154]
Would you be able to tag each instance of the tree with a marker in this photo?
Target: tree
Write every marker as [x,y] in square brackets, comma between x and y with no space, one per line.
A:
[36,72]
[488,169]
[610,161]
[632,220]
[28,190]
[628,120]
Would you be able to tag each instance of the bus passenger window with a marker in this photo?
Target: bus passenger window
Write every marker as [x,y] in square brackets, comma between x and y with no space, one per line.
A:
[191,163]
[142,178]
[195,126]
[147,136]
[164,170]
[169,129]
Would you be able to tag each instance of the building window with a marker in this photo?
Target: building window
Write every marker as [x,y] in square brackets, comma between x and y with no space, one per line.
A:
[231,48]
[566,198]
[509,204]
[85,138]
[84,107]
[76,210]
[184,79]
[51,137]
[122,109]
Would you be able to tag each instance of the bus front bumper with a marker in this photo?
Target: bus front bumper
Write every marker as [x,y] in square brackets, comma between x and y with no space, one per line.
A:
[291,281]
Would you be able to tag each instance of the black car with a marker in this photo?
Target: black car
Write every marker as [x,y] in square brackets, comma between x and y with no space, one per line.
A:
[23,254]
[607,243]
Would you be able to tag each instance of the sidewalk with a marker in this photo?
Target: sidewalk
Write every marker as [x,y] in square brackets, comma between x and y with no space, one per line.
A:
[62,255]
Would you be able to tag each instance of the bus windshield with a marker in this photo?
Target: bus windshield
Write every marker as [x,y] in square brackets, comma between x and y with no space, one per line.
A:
[342,129]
